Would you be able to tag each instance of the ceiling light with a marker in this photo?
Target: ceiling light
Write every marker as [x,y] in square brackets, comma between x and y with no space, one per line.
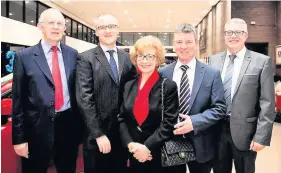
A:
[126,11]
[32,21]
[10,14]
[135,26]
[169,11]
[131,20]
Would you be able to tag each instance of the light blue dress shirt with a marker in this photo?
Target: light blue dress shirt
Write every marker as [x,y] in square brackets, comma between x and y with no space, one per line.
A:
[47,48]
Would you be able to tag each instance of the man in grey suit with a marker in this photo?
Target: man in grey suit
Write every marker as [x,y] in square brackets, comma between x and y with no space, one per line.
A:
[249,94]
[101,75]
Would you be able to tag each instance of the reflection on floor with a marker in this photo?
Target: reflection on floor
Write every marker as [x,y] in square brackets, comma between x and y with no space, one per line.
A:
[269,159]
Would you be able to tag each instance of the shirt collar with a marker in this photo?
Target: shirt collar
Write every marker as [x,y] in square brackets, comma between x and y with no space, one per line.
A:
[105,49]
[191,64]
[47,47]
[239,55]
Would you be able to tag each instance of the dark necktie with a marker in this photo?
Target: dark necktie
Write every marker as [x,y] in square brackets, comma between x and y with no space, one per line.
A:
[59,100]
[184,91]
[227,83]
[113,65]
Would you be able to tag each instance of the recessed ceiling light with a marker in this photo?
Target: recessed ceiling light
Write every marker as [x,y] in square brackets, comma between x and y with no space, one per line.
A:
[126,11]
[169,11]
[135,26]
[10,14]
[131,20]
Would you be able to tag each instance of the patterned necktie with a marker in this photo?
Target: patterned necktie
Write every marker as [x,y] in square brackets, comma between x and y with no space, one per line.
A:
[59,100]
[184,92]
[113,65]
[227,83]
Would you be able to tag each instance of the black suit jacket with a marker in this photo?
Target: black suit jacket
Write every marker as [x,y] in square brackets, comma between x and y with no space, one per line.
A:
[33,95]
[99,97]
[153,132]
[207,107]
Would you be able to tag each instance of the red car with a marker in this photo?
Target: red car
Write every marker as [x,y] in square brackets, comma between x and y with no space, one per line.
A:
[10,162]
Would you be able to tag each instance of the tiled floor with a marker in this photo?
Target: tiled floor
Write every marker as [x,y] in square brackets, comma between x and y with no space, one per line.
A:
[269,159]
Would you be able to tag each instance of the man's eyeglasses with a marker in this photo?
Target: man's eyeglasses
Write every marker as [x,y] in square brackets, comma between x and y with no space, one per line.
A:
[237,33]
[104,27]
[53,23]
[148,57]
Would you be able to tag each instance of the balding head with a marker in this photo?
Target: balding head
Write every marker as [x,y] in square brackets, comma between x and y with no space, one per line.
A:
[49,13]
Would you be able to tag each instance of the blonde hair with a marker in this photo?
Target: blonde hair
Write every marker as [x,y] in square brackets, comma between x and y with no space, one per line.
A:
[148,42]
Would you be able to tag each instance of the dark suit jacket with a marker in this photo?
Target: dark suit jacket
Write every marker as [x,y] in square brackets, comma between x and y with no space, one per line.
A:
[99,97]
[207,107]
[252,112]
[33,95]
[153,132]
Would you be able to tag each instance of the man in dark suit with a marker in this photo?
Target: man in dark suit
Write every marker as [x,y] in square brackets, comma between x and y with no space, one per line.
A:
[249,94]
[44,118]
[101,75]
[201,99]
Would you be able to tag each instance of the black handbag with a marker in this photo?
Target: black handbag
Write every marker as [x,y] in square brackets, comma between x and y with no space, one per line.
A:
[178,150]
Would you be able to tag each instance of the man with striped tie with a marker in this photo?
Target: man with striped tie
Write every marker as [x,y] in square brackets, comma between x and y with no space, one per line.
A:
[201,96]
[249,94]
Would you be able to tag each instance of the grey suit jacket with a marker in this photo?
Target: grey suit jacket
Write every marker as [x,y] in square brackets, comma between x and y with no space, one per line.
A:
[252,112]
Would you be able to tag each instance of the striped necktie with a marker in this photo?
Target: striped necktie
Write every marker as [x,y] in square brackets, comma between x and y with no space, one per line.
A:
[184,92]
[227,83]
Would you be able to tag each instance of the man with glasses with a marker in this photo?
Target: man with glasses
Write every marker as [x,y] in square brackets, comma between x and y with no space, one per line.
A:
[101,75]
[45,117]
[249,94]
[201,99]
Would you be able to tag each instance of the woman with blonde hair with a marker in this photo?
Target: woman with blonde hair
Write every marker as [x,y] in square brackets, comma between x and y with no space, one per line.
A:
[143,128]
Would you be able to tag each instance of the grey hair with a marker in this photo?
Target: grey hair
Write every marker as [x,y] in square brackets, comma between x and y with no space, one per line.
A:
[45,12]
[238,21]
[186,28]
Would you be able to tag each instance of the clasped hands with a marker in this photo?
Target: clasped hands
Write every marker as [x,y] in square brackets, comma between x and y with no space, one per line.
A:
[140,151]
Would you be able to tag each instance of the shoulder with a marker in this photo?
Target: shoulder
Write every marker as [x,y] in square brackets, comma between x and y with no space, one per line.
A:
[209,69]
[70,49]
[169,85]
[87,54]
[216,55]
[259,56]
[27,51]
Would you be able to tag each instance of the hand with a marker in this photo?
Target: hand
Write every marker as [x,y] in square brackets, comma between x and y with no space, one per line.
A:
[184,126]
[22,149]
[143,154]
[256,146]
[104,144]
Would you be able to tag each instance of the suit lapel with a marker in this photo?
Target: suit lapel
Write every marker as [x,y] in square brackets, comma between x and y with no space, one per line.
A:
[120,62]
[104,62]
[40,59]
[221,61]
[199,74]
[66,60]
[245,64]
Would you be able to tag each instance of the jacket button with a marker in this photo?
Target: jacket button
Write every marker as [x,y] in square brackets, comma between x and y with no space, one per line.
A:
[53,119]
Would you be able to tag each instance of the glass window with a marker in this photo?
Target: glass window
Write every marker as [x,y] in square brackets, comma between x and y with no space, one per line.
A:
[41,8]
[152,33]
[16,10]
[80,32]
[3,8]
[138,35]
[164,37]
[119,38]
[30,12]
[89,35]
[171,38]
[128,38]
[68,26]
[74,29]
[85,36]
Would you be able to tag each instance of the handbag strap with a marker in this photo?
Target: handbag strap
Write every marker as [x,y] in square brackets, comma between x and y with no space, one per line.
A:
[162,98]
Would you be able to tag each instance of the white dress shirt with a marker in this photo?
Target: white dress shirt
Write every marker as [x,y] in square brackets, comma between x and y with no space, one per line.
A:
[190,73]
[115,55]
[238,61]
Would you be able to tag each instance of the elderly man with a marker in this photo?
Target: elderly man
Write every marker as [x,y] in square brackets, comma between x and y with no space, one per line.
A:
[249,94]
[45,119]
[101,75]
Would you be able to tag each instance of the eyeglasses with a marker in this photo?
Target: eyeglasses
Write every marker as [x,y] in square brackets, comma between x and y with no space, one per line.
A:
[237,33]
[104,27]
[53,23]
[148,57]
